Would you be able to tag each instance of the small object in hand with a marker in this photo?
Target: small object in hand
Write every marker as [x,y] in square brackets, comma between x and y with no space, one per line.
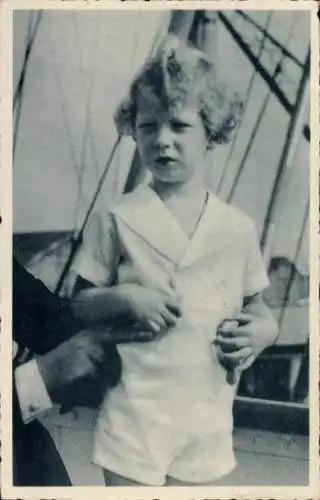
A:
[232,376]
[232,373]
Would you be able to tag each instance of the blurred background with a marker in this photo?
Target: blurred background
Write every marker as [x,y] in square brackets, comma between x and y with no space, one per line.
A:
[70,69]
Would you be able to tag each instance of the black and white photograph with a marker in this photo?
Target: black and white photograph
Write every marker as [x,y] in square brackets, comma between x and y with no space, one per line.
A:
[160,255]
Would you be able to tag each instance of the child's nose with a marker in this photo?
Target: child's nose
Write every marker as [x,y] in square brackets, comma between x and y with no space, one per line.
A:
[164,136]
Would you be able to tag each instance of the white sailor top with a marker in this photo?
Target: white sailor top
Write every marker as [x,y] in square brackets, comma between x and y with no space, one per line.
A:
[174,384]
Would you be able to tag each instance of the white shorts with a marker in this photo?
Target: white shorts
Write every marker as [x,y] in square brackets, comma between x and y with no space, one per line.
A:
[202,460]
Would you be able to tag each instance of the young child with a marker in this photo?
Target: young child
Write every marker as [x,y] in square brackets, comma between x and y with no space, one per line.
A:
[176,258]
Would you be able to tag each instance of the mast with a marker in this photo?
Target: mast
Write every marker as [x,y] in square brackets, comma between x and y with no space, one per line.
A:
[261,68]
[204,32]
[181,23]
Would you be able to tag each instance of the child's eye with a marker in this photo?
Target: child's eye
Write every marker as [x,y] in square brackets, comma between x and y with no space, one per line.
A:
[147,126]
[180,126]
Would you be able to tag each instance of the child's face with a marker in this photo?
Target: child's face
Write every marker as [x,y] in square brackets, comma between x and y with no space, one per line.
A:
[172,143]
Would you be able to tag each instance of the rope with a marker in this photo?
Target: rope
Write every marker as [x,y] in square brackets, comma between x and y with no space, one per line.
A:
[17,99]
[293,268]
[27,54]
[77,241]
[65,118]
[87,127]
[285,153]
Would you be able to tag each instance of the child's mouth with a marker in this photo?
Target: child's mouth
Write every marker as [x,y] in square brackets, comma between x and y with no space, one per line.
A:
[164,161]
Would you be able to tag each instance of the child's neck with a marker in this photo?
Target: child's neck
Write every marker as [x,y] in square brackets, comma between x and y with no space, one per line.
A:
[186,202]
[191,189]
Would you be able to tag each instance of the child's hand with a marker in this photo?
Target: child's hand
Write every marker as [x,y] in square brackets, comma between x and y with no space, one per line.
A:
[152,309]
[234,346]
[240,343]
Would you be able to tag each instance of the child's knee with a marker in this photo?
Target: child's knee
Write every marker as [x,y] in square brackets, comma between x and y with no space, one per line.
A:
[114,479]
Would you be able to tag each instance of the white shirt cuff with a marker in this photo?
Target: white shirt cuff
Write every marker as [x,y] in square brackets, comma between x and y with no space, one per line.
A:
[33,396]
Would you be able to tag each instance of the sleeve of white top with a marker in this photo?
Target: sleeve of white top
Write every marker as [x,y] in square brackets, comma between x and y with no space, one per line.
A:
[256,278]
[98,258]
[33,396]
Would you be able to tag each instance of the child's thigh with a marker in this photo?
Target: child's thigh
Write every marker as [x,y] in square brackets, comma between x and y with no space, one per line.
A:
[113,479]
[231,479]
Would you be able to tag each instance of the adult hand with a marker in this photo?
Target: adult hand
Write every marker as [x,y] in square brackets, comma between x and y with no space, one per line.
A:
[79,371]
[84,356]
[150,308]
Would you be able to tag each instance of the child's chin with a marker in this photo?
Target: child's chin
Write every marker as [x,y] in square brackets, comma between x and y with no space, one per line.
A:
[169,179]
[172,183]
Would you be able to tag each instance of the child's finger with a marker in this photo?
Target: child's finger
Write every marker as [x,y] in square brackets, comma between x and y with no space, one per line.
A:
[247,362]
[125,335]
[173,283]
[236,356]
[226,333]
[228,324]
[232,340]
[143,336]
[233,343]
[238,332]
[244,318]
[155,325]
[174,287]
[175,292]
[173,306]
[228,328]
[170,318]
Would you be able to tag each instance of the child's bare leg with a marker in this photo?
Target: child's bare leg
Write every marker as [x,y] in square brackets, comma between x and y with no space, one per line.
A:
[113,479]
[171,481]
[230,479]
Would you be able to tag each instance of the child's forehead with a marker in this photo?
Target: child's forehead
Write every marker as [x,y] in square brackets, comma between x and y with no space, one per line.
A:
[162,113]
[152,105]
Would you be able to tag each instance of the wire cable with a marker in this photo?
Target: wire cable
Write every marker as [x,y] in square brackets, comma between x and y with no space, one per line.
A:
[63,107]
[277,72]
[77,239]
[30,41]
[293,267]
[245,102]
[87,126]
[268,220]
[18,95]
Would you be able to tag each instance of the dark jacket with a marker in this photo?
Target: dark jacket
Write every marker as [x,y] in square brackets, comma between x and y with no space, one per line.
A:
[41,321]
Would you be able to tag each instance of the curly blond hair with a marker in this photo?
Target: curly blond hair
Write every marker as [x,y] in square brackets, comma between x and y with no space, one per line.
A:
[178,72]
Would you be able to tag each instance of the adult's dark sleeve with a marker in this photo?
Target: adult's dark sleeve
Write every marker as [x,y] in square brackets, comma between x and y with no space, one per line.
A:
[41,320]
[35,458]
